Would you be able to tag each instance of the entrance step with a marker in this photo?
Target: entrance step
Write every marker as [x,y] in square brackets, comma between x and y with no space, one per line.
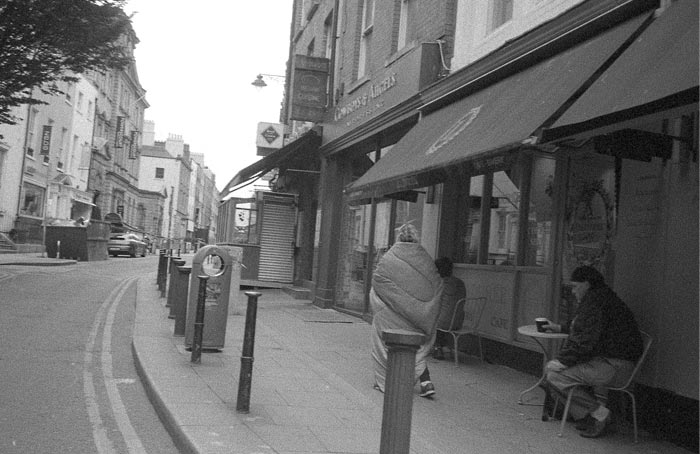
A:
[298,293]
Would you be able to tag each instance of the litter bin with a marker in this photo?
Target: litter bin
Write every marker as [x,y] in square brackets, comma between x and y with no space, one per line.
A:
[216,263]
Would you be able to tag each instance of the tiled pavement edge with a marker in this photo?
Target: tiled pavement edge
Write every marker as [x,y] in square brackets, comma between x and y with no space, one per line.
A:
[312,391]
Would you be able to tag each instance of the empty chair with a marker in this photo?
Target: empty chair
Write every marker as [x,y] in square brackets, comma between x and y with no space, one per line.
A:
[624,388]
[473,308]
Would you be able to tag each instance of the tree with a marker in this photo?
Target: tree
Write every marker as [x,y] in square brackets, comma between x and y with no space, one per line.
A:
[46,41]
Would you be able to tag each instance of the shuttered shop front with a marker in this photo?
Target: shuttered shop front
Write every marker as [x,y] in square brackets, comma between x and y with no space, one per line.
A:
[277,238]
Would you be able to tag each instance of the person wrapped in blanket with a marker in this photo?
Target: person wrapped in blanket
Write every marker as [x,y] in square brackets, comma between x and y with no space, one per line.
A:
[603,345]
[405,294]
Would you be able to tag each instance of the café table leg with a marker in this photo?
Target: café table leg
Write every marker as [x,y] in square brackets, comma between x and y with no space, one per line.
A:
[542,378]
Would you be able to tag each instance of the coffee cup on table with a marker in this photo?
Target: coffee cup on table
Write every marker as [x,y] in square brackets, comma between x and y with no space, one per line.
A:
[540,322]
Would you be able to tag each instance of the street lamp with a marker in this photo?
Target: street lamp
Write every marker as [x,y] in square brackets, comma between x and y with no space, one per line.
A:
[260,83]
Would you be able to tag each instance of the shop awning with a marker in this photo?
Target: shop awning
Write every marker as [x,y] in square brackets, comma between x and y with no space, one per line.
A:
[657,72]
[502,117]
[274,160]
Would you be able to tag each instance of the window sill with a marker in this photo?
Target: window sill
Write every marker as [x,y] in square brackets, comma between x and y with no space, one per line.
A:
[357,84]
[400,53]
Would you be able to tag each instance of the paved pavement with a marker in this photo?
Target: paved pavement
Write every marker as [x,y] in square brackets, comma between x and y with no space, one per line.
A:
[312,390]
[33,259]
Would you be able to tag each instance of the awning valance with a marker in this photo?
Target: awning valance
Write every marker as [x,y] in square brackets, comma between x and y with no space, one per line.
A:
[501,117]
[274,160]
[658,71]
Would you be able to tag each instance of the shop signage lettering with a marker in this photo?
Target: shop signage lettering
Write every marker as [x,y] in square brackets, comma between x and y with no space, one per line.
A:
[45,140]
[498,322]
[363,100]
[489,163]
[119,135]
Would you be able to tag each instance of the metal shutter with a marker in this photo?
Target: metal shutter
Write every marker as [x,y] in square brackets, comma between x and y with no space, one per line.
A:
[277,238]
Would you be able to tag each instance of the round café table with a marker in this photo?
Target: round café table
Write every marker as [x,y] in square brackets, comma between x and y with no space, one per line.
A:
[531,331]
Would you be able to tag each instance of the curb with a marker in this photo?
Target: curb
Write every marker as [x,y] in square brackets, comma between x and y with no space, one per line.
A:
[183,443]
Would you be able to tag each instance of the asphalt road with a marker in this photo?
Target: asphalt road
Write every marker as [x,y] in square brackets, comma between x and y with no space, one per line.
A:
[67,377]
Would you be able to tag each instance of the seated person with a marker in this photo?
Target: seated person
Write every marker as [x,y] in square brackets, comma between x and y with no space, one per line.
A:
[453,291]
[603,345]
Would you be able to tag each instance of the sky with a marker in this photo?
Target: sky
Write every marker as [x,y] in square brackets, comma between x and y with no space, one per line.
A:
[196,60]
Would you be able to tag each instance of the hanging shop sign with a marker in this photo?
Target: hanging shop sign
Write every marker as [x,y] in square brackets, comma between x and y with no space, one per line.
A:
[45,140]
[309,88]
[119,135]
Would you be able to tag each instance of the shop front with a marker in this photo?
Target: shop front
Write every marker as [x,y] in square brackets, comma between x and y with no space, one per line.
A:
[587,157]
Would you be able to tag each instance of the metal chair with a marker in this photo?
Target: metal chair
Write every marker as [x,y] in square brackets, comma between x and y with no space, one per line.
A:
[473,308]
[624,388]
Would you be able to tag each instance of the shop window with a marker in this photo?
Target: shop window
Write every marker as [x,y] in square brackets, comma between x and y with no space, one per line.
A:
[503,227]
[32,200]
[541,209]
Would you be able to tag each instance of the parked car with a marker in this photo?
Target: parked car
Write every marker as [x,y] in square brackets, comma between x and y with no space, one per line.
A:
[126,243]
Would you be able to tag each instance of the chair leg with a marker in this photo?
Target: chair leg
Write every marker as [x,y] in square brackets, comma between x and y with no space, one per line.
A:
[566,411]
[455,348]
[634,416]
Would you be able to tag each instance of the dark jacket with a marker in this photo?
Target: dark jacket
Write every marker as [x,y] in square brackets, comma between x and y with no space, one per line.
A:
[602,326]
[453,291]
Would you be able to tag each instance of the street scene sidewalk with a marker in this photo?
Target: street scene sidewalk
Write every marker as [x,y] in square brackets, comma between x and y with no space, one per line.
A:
[33,259]
[312,390]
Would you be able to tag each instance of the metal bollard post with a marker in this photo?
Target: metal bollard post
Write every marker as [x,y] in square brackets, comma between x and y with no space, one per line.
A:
[171,274]
[180,303]
[159,274]
[164,279]
[246,375]
[199,321]
[398,392]
[175,286]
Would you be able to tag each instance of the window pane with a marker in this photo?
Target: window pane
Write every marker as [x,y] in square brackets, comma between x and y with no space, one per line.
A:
[541,213]
[471,232]
[32,200]
[503,231]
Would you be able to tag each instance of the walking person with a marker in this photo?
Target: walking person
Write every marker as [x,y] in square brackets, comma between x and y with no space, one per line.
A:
[405,294]
[603,345]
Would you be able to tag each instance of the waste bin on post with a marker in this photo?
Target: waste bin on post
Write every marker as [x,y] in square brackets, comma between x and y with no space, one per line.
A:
[216,263]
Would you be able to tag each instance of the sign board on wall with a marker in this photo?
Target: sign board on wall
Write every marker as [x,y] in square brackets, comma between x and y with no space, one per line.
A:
[309,88]
[270,137]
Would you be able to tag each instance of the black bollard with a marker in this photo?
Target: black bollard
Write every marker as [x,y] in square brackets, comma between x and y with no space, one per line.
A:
[398,392]
[175,286]
[171,274]
[164,280]
[161,266]
[199,321]
[246,375]
[180,303]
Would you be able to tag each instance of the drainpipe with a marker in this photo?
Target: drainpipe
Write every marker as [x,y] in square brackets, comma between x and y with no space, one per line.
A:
[331,79]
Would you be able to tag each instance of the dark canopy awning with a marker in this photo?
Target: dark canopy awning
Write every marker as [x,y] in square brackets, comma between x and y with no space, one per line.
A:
[657,72]
[504,116]
[277,158]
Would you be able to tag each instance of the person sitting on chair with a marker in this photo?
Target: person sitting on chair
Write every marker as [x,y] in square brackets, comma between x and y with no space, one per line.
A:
[603,345]
[453,290]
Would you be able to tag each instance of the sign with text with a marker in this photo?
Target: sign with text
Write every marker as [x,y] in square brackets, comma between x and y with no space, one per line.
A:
[119,135]
[270,135]
[309,88]
[133,146]
[45,140]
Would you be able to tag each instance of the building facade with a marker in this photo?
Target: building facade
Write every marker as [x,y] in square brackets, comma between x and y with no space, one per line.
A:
[491,126]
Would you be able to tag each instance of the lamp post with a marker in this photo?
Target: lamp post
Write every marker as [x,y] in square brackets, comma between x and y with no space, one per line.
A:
[260,83]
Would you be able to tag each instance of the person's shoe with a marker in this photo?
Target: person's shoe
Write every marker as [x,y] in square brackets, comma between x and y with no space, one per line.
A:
[598,429]
[438,354]
[427,389]
[585,423]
